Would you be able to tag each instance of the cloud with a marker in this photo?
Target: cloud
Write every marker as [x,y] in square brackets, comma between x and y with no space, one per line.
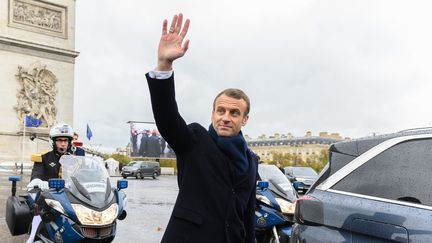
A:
[352,67]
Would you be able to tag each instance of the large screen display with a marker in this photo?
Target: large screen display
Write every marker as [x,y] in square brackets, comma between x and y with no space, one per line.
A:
[147,142]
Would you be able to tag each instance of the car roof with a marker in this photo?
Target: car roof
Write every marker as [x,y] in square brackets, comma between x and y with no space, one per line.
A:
[358,146]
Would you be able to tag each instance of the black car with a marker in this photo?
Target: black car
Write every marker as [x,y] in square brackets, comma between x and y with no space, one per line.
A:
[375,189]
[141,169]
[305,176]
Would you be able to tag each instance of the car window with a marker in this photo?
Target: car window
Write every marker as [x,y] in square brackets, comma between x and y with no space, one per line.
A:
[134,164]
[401,173]
[304,171]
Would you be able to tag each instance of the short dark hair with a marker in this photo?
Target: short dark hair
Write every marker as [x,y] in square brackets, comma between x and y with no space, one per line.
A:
[236,94]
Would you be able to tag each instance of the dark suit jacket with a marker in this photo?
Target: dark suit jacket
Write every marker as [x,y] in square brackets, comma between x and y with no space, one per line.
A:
[46,166]
[213,205]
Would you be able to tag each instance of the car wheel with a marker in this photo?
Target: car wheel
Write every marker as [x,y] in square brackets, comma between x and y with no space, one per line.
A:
[138,175]
[155,174]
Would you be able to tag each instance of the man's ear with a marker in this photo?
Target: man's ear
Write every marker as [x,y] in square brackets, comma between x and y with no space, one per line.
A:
[245,120]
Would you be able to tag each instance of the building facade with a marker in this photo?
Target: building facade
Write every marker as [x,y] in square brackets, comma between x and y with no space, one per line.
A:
[305,146]
[37,56]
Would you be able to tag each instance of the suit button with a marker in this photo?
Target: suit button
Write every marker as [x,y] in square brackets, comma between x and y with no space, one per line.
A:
[227,224]
[233,191]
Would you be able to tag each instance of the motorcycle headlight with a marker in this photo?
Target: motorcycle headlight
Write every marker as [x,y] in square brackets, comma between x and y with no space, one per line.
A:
[89,216]
[55,205]
[286,207]
[264,200]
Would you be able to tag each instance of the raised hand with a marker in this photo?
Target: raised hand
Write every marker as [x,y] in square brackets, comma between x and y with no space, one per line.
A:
[171,44]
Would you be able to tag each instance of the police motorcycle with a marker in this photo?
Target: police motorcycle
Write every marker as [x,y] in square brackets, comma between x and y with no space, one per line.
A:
[275,206]
[80,207]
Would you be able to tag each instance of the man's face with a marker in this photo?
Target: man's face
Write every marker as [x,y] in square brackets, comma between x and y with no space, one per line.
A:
[62,144]
[229,116]
[75,138]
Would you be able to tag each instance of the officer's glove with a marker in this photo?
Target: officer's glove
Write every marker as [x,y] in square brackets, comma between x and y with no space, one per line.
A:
[43,185]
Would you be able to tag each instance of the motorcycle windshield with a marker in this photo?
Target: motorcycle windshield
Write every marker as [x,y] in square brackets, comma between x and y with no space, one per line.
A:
[278,183]
[87,179]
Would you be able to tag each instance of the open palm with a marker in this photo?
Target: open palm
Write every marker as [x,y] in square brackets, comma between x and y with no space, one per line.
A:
[171,44]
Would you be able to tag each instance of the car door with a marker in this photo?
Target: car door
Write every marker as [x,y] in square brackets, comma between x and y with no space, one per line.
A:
[384,198]
[147,170]
[380,196]
[143,168]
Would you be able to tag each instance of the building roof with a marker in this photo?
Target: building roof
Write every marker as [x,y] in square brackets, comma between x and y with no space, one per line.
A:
[292,141]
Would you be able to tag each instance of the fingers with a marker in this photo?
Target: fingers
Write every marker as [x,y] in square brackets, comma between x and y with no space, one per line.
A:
[179,23]
[173,24]
[176,25]
[185,28]
[164,27]
[185,46]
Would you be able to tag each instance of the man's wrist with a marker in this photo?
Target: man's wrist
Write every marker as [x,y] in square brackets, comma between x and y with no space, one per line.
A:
[164,66]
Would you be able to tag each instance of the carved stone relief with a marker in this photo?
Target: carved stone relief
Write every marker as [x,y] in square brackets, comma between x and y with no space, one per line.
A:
[38,16]
[37,95]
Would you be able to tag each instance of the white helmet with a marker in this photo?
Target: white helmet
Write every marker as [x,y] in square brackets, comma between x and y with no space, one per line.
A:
[61,130]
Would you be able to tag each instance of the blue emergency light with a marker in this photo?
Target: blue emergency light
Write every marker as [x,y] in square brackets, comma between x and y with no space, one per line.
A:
[122,184]
[56,183]
[263,184]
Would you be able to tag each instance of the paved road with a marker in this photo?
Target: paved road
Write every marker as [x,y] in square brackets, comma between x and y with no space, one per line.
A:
[149,207]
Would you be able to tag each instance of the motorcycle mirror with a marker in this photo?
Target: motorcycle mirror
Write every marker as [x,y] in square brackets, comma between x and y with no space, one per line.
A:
[296,185]
[263,184]
[122,184]
[14,180]
[56,183]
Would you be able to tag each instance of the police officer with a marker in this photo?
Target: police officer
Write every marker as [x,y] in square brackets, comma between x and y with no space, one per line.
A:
[47,166]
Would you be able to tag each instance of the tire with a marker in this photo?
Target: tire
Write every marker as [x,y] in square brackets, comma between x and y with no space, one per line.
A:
[155,174]
[139,176]
[124,177]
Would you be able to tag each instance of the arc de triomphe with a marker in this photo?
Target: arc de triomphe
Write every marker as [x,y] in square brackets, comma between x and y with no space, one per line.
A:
[37,56]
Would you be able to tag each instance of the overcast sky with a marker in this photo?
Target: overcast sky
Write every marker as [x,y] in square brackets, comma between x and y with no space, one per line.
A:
[352,67]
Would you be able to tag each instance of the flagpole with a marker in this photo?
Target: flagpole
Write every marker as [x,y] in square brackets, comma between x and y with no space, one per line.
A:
[22,148]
